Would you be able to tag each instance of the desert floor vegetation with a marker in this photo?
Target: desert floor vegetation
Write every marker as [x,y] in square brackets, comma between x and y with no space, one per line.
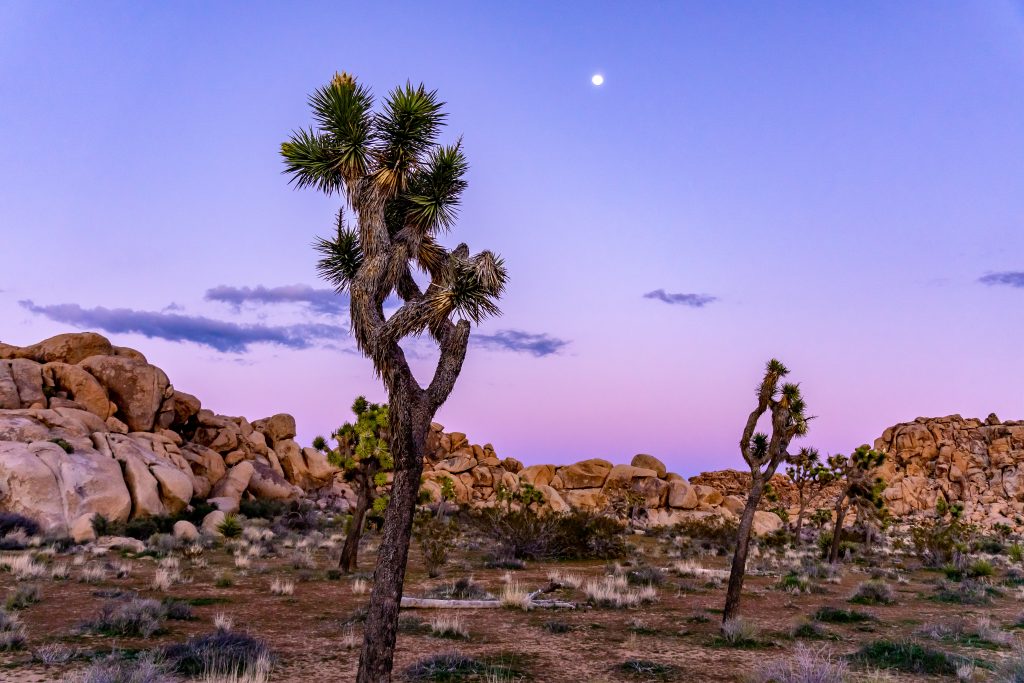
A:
[190,611]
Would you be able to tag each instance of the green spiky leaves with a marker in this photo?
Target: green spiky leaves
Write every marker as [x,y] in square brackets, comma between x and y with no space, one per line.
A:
[435,191]
[469,289]
[407,130]
[340,257]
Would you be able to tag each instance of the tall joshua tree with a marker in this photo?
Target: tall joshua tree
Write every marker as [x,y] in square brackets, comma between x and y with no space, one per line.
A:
[763,454]
[363,456]
[404,190]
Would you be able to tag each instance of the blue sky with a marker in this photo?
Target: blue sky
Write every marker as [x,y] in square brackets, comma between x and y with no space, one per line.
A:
[837,177]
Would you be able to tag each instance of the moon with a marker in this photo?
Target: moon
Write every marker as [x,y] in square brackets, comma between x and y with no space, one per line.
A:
[597,79]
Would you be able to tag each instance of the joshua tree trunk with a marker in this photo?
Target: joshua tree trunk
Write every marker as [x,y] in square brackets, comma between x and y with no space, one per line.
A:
[739,558]
[350,551]
[409,427]
[800,520]
[837,532]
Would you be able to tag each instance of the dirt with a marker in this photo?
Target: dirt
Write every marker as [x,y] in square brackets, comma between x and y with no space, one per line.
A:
[307,629]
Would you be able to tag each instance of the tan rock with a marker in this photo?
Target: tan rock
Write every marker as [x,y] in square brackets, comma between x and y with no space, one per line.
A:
[276,427]
[136,387]
[28,378]
[82,530]
[585,499]
[68,348]
[212,521]
[538,475]
[553,499]
[649,462]
[185,530]
[292,462]
[9,399]
[29,487]
[708,496]
[81,386]
[653,490]
[175,487]
[234,483]
[766,522]
[733,504]
[681,495]
[266,483]
[585,474]
[318,466]
[457,463]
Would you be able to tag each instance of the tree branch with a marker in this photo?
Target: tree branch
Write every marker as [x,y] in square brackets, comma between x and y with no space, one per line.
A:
[453,353]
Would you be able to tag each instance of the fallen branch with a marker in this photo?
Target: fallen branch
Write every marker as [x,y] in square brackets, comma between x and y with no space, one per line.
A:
[436,603]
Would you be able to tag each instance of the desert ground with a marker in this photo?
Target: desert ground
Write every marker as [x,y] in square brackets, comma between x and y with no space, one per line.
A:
[272,595]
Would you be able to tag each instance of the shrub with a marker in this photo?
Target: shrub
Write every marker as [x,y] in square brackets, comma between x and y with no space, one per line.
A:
[909,657]
[835,615]
[577,535]
[712,533]
[739,632]
[262,508]
[938,539]
[230,527]
[65,446]
[435,536]
[23,596]
[12,521]
[223,653]
[515,596]
[1012,669]
[966,593]
[1016,552]
[793,582]
[614,591]
[138,617]
[146,668]
[448,666]
[645,576]
[178,610]
[12,633]
[282,587]
[873,593]
[555,626]
[805,666]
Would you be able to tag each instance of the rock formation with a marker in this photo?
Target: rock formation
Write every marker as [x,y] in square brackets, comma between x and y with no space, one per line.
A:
[979,463]
[87,427]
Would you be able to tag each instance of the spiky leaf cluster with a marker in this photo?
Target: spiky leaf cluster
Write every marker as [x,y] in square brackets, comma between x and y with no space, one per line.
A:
[862,488]
[362,444]
[391,162]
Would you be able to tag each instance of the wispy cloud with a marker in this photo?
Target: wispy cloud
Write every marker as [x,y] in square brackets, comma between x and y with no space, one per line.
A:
[1007,278]
[681,299]
[519,342]
[322,301]
[224,336]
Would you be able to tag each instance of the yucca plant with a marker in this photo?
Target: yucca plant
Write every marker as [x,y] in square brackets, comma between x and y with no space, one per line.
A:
[403,189]
[763,455]
[363,456]
[810,477]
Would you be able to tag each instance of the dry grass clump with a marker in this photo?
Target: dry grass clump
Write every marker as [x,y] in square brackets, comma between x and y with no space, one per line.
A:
[981,632]
[689,569]
[282,587]
[804,666]
[60,571]
[92,573]
[448,626]
[873,593]
[349,639]
[164,578]
[138,617]
[360,586]
[23,596]
[223,622]
[566,579]
[738,632]
[614,591]
[23,567]
[514,596]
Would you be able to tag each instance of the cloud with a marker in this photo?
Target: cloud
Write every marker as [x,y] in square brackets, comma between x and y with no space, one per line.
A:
[519,342]
[680,299]
[224,336]
[322,301]
[1008,278]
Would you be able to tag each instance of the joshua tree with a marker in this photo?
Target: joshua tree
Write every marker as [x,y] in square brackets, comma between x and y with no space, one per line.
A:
[860,490]
[363,456]
[763,454]
[810,477]
[404,190]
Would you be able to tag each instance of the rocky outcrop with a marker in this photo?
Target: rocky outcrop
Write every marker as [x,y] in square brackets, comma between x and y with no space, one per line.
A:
[979,463]
[89,428]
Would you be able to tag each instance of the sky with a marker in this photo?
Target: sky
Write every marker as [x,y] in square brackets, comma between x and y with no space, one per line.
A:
[838,185]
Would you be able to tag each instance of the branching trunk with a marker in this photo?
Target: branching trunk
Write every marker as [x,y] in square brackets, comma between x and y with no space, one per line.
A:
[800,519]
[739,559]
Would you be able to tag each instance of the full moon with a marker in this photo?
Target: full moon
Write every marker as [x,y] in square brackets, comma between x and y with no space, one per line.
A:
[597,79]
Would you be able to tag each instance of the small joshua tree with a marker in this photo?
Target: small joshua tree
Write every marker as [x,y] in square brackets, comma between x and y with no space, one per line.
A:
[763,454]
[861,490]
[810,476]
[363,456]
[404,189]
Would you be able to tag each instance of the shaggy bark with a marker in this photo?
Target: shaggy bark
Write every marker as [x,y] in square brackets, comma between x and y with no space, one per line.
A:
[837,531]
[350,551]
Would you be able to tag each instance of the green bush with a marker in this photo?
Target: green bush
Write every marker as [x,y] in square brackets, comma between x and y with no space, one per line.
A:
[230,527]
[908,657]
[836,615]
[577,535]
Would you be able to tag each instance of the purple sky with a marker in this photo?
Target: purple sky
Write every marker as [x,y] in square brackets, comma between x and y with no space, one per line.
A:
[836,184]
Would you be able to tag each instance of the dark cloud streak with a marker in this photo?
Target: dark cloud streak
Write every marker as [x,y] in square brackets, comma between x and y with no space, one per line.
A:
[322,301]
[519,341]
[224,336]
[1007,279]
[681,299]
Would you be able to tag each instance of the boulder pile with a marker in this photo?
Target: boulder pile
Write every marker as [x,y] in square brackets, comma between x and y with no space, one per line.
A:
[979,463]
[87,427]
